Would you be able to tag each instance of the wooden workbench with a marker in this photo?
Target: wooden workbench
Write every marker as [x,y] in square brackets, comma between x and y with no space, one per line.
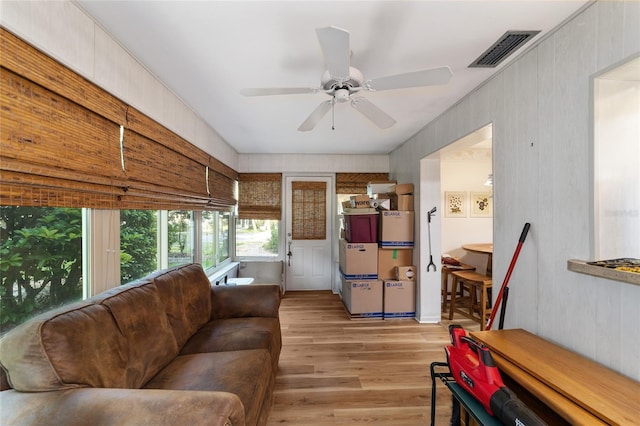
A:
[579,390]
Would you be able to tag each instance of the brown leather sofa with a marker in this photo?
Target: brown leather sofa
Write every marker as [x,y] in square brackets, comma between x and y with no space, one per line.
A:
[169,349]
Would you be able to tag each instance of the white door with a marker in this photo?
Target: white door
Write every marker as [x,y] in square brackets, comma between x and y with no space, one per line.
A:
[308,232]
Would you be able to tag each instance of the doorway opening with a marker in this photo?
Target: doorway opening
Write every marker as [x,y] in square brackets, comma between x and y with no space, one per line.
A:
[458,180]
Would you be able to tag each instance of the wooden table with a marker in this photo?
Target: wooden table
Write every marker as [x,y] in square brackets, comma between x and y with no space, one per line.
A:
[580,390]
[484,248]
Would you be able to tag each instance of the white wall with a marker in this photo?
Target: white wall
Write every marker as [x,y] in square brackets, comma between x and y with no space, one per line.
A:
[541,107]
[312,163]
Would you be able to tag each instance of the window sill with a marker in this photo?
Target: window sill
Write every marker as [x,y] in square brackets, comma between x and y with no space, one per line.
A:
[582,267]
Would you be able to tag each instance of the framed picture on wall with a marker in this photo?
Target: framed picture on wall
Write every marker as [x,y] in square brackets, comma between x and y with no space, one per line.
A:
[481,204]
[455,204]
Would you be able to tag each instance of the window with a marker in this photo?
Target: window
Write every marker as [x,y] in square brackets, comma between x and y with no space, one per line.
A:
[40,261]
[259,210]
[215,238]
[138,244]
[255,237]
[180,237]
[209,226]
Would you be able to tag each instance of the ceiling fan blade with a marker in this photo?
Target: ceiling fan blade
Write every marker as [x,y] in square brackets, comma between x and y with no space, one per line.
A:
[373,113]
[336,50]
[268,91]
[315,116]
[430,77]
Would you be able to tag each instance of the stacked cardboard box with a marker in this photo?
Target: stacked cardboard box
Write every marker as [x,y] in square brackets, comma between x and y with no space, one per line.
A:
[390,291]
[399,299]
[362,298]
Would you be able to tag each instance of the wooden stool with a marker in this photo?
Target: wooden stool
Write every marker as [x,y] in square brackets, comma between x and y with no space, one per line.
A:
[473,283]
[446,272]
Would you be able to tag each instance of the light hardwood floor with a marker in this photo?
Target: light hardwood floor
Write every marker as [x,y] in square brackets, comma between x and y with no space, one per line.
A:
[337,371]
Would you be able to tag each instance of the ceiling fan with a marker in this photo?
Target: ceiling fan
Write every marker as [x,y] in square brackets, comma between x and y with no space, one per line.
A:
[341,81]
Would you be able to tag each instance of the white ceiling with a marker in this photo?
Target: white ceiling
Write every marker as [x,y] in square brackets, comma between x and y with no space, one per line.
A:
[206,51]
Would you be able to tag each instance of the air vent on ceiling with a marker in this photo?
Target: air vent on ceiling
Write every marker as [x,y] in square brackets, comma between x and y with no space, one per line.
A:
[501,49]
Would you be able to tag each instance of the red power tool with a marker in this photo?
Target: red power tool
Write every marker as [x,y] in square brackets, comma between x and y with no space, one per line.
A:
[473,368]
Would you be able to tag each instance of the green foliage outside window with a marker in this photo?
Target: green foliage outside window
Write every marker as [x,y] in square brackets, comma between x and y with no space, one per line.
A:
[138,244]
[40,261]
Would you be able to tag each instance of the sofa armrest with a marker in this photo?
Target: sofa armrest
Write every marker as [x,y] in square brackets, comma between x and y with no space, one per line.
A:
[245,301]
[109,406]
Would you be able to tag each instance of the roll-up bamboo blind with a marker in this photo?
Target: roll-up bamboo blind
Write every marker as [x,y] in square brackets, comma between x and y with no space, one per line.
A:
[356,183]
[259,196]
[308,210]
[62,145]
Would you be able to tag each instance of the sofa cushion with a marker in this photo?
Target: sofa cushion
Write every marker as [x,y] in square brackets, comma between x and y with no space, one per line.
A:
[78,345]
[237,334]
[140,316]
[244,373]
[186,294]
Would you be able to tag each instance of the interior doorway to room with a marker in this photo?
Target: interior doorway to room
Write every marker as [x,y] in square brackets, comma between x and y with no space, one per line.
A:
[308,225]
[458,180]
[466,186]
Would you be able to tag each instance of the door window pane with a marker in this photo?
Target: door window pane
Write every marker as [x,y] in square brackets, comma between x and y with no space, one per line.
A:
[180,237]
[138,244]
[40,261]
[308,214]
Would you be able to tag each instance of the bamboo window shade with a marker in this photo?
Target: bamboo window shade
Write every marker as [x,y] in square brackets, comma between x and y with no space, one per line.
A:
[356,183]
[68,143]
[259,196]
[308,210]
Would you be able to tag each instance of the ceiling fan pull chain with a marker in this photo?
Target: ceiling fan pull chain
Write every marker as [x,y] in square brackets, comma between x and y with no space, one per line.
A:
[333,117]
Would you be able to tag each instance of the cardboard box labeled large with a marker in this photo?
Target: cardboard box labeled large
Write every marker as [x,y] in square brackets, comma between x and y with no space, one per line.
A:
[358,260]
[396,229]
[362,298]
[399,299]
[389,258]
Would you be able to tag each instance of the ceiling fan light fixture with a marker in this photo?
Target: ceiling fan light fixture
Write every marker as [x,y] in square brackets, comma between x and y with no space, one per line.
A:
[341,96]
